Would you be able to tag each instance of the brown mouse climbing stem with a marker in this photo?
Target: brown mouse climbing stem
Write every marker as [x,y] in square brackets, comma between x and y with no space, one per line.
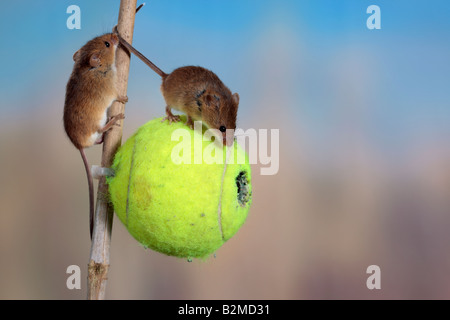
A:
[101,240]
[90,91]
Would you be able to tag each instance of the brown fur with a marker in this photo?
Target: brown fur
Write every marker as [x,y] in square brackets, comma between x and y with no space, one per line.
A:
[90,89]
[198,92]
[89,93]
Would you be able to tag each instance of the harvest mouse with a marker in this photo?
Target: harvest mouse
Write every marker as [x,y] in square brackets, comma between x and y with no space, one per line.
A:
[91,90]
[199,93]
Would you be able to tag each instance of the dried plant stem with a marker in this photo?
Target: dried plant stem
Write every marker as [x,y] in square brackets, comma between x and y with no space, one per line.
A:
[101,238]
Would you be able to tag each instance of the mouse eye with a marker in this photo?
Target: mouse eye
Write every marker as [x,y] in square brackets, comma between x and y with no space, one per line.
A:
[107,44]
[222,129]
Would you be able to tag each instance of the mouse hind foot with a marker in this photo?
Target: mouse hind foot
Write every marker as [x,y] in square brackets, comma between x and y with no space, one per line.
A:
[170,116]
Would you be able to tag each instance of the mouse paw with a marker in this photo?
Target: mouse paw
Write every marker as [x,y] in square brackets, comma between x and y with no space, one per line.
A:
[112,121]
[117,117]
[122,99]
[171,118]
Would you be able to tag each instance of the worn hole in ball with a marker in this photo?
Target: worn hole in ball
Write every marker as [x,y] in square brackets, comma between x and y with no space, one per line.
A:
[243,195]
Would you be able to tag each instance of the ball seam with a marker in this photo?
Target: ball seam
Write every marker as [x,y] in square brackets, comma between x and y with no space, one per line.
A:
[219,211]
[129,180]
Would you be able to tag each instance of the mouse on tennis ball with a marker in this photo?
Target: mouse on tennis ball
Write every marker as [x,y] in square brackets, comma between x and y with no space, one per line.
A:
[199,93]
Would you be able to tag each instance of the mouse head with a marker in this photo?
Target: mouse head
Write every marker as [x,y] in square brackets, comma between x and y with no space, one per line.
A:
[99,53]
[220,112]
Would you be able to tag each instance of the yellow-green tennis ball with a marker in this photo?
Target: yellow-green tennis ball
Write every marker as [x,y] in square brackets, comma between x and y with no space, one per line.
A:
[185,210]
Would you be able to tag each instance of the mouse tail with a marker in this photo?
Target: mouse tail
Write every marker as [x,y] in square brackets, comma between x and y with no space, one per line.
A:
[91,191]
[142,57]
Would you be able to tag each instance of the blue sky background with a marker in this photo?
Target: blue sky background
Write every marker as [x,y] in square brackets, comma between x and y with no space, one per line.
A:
[364,146]
[399,73]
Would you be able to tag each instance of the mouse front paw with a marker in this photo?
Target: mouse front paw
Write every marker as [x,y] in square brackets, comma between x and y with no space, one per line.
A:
[122,99]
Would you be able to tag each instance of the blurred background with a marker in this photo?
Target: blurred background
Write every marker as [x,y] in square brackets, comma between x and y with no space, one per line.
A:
[364,176]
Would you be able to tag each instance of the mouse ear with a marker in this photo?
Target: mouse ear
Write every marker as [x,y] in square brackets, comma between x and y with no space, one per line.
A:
[95,61]
[76,55]
[236,98]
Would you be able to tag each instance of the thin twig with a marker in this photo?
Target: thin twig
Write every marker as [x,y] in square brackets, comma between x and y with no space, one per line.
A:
[101,239]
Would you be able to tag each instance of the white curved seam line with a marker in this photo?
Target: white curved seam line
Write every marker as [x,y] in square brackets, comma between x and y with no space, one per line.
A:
[129,180]
[219,210]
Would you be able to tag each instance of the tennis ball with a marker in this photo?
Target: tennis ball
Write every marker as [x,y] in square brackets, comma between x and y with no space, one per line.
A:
[186,210]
